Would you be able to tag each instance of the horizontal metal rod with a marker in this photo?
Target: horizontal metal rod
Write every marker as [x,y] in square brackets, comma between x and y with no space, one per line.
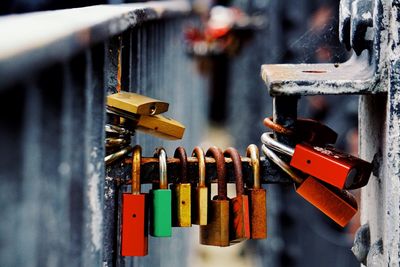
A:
[269,173]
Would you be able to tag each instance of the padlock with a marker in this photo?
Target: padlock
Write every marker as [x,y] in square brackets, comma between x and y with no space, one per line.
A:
[134,240]
[161,216]
[239,228]
[339,205]
[136,103]
[156,125]
[161,126]
[200,209]
[216,232]
[331,166]
[257,198]
[307,130]
[181,199]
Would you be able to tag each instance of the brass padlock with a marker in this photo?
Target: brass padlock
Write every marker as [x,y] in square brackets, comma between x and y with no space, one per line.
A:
[257,197]
[156,125]
[161,126]
[216,232]
[200,207]
[239,228]
[339,205]
[182,194]
[136,104]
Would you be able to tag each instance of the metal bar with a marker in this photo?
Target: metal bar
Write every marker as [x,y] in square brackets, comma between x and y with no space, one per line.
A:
[63,33]
[269,173]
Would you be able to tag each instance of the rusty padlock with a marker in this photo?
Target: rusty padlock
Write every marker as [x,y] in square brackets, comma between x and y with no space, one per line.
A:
[331,166]
[134,234]
[181,200]
[257,197]
[200,207]
[339,205]
[307,130]
[216,232]
[239,228]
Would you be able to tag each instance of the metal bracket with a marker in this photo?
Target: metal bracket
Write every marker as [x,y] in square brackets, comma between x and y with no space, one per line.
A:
[360,30]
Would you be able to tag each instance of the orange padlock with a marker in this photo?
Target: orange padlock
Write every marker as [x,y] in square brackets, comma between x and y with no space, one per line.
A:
[257,197]
[339,205]
[134,237]
[239,228]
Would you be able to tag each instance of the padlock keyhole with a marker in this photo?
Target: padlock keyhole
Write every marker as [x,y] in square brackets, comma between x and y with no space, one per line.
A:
[308,161]
[134,215]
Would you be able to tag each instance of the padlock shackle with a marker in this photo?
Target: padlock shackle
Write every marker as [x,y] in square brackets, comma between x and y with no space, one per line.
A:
[180,153]
[270,142]
[136,158]
[252,152]
[217,154]
[232,153]
[162,158]
[199,154]
[283,165]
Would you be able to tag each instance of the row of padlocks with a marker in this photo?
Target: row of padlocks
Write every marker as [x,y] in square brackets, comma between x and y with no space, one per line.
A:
[320,173]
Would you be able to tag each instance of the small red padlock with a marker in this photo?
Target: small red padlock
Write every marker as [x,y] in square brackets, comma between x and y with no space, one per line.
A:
[134,233]
[331,166]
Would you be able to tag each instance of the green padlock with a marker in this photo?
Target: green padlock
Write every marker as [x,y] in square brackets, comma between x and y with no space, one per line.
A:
[161,213]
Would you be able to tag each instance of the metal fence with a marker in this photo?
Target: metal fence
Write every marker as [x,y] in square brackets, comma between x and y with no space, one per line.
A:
[60,207]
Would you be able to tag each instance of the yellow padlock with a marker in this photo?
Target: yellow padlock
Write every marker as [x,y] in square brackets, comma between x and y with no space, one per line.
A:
[200,211]
[182,194]
[135,103]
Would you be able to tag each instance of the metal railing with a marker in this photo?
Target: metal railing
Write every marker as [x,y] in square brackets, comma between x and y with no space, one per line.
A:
[56,67]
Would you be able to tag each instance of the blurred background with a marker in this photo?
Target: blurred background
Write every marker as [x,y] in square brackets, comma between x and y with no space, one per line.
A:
[227,100]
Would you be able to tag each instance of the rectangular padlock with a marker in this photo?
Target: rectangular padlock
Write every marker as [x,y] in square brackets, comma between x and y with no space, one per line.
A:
[181,202]
[156,125]
[339,205]
[134,234]
[161,211]
[257,198]
[200,194]
[161,126]
[240,218]
[136,103]
[182,199]
[331,166]
[216,232]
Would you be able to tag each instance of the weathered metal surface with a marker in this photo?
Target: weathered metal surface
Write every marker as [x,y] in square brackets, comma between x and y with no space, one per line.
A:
[355,76]
[379,135]
[364,73]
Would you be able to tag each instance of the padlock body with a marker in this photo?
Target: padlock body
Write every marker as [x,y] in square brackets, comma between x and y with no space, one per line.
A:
[181,202]
[338,169]
[216,232]
[239,228]
[161,216]
[134,238]
[200,209]
[258,212]
[339,205]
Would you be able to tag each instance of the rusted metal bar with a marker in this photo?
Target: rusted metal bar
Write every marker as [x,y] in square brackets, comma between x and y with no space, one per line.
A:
[269,173]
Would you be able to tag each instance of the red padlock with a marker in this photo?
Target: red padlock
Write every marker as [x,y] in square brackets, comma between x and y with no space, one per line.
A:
[134,233]
[339,205]
[327,164]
